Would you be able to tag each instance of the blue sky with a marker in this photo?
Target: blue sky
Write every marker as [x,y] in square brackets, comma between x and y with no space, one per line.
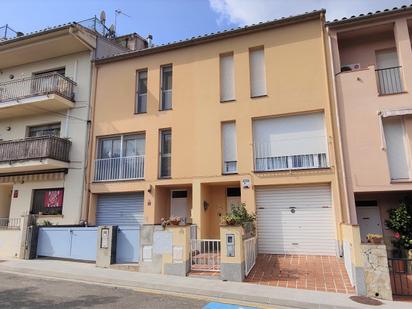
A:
[169,20]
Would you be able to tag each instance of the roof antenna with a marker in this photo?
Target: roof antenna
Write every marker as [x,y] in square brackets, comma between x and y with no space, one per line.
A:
[117,13]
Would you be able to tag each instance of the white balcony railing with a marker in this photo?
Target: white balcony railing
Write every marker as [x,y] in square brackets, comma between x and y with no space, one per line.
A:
[122,168]
[266,161]
[9,223]
[229,167]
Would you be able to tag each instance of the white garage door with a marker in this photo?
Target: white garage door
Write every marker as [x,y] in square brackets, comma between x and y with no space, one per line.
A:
[124,209]
[295,220]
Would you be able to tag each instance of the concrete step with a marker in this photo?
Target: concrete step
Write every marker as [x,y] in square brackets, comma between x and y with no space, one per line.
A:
[205,275]
[126,266]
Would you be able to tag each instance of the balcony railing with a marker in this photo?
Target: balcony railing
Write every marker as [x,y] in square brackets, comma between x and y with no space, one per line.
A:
[35,148]
[389,80]
[122,168]
[9,223]
[266,161]
[36,86]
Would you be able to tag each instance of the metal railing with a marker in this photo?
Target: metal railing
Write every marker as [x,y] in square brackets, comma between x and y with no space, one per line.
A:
[7,33]
[98,26]
[53,83]
[35,148]
[389,80]
[266,162]
[229,167]
[205,255]
[250,254]
[9,223]
[400,270]
[121,168]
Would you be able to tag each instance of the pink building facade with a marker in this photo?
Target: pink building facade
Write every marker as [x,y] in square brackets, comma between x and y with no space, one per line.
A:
[372,77]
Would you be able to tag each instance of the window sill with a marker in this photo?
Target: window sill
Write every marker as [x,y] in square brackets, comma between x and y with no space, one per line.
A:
[165,110]
[395,181]
[47,216]
[293,170]
[259,96]
[390,94]
[231,173]
[140,113]
[227,101]
[165,177]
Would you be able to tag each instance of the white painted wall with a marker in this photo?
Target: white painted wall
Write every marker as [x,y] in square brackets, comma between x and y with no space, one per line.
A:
[78,68]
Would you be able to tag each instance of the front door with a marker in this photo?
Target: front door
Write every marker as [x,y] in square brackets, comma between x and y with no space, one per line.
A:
[232,198]
[369,221]
[178,206]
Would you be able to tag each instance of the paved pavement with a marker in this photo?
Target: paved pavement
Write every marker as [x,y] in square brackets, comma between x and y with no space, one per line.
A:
[198,288]
[18,291]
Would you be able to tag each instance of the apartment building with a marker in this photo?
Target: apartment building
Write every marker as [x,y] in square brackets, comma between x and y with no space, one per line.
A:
[191,128]
[45,88]
[372,62]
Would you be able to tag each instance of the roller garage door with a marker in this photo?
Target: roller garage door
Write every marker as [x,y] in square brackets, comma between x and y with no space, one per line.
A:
[125,209]
[295,220]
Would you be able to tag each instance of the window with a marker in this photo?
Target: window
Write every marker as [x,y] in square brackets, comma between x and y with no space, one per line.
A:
[166,87]
[120,158]
[396,148]
[227,78]
[44,130]
[48,201]
[233,192]
[141,93]
[229,147]
[165,153]
[290,142]
[257,72]
[388,72]
[61,71]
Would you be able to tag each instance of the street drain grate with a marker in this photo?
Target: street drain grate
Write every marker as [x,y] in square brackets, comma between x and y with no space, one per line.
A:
[366,300]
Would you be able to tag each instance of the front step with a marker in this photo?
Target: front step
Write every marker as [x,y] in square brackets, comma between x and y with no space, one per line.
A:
[215,275]
[126,267]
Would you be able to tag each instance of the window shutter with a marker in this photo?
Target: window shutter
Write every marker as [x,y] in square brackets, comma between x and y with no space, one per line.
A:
[229,141]
[227,78]
[257,72]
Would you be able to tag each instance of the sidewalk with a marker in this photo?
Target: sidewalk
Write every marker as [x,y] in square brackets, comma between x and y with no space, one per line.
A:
[195,287]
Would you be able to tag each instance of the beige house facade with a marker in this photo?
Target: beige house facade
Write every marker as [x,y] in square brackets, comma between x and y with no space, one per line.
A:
[45,87]
[372,67]
[190,129]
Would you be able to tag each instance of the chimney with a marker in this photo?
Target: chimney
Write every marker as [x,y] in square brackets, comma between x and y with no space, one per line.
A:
[149,40]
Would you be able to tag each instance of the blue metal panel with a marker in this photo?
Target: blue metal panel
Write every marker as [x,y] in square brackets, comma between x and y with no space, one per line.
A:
[84,243]
[54,242]
[69,243]
[128,244]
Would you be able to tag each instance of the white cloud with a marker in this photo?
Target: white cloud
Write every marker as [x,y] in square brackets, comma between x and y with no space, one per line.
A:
[244,12]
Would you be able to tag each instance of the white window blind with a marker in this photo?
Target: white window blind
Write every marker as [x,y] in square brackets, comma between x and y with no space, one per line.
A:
[227,78]
[291,135]
[229,141]
[396,148]
[257,72]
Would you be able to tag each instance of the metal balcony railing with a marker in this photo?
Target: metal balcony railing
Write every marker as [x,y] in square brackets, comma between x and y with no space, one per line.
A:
[9,223]
[266,160]
[121,168]
[389,80]
[35,148]
[53,83]
[229,167]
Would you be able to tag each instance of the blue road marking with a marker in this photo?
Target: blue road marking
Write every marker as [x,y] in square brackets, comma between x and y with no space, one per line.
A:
[225,306]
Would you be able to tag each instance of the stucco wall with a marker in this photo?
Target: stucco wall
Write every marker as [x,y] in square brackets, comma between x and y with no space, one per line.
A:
[296,83]
[78,68]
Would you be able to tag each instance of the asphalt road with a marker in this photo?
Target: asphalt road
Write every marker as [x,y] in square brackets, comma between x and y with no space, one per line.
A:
[30,292]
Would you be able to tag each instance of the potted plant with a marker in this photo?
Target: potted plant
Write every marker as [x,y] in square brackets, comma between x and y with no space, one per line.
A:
[175,220]
[240,216]
[400,222]
[375,238]
[164,222]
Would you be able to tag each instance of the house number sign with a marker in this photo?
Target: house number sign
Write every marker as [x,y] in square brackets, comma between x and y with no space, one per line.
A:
[104,243]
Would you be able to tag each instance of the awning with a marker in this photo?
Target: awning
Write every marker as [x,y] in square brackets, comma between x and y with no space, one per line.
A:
[394,113]
[33,177]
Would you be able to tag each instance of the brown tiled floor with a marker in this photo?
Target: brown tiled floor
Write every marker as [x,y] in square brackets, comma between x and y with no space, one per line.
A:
[320,273]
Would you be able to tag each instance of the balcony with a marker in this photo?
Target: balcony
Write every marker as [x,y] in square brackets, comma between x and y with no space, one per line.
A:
[267,161]
[121,168]
[229,167]
[33,154]
[28,96]
[389,80]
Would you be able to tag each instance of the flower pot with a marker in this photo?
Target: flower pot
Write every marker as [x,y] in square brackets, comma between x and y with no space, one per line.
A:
[377,241]
[175,222]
